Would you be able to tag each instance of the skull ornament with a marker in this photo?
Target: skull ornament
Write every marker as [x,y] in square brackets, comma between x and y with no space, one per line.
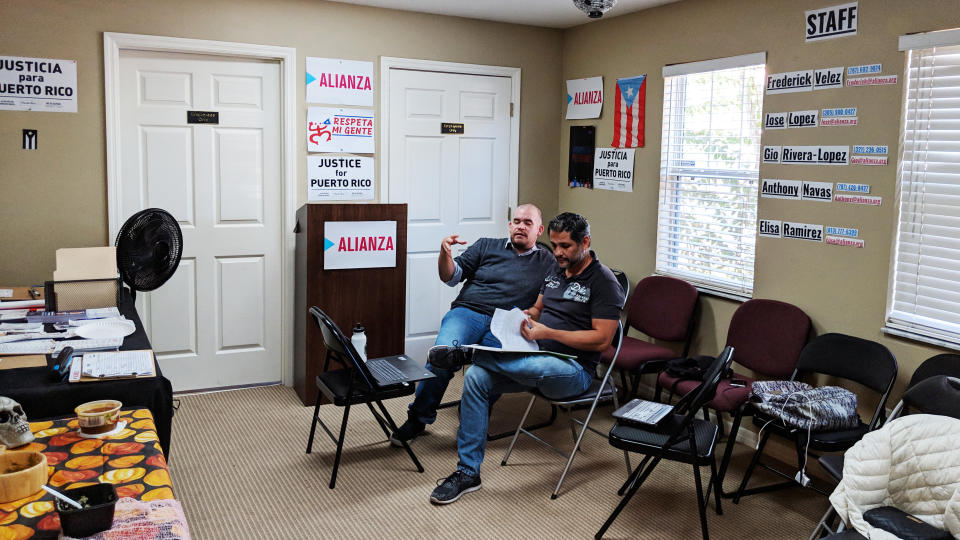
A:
[14,428]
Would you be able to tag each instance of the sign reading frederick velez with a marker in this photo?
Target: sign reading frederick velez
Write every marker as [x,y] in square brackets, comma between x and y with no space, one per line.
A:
[340,130]
[791,81]
[584,98]
[828,78]
[38,84]
[831,22]
[339,178]
[359,244]
[613,169]
[340,82]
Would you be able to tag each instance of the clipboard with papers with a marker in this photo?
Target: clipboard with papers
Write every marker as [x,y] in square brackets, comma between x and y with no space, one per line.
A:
[102,366]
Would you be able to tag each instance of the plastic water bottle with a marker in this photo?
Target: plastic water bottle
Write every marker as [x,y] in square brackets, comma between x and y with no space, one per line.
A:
[359,340]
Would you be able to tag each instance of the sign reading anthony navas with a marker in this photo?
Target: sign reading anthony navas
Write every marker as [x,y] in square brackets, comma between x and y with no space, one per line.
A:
[38,84]
[359,244]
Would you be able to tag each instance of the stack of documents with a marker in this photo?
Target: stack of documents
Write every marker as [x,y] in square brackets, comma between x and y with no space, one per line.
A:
[112,365]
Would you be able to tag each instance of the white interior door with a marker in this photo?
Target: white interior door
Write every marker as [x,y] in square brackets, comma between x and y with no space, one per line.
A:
[451,183]
[216,322]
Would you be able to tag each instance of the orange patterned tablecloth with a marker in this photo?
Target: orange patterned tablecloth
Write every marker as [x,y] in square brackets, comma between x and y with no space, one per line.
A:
[131,460]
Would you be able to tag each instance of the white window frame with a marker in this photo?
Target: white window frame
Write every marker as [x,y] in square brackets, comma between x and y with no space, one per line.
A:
[743,290]
[897,321]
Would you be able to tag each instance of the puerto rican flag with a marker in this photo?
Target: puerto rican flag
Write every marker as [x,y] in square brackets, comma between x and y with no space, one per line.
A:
[628,113]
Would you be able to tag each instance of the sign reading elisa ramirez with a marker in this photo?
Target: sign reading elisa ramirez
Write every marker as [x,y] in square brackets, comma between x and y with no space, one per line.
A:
[38,84]
[831,22]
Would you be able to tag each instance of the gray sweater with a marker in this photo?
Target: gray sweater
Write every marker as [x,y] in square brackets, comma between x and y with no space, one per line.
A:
[496,277]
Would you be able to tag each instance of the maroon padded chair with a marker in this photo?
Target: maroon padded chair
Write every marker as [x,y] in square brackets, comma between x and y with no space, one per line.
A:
[768,336]
[662,308]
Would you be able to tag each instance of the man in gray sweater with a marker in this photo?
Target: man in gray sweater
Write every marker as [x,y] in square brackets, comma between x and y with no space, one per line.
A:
[499,273]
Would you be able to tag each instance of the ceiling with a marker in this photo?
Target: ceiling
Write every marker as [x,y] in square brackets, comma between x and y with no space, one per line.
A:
[547,13]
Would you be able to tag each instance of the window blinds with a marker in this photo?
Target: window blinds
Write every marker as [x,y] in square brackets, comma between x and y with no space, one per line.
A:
[709,168]
[925,269]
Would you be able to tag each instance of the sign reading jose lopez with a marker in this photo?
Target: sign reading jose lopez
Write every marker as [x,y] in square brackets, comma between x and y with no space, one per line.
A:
[359,244]
[339,178]
[38,84]
[340,130]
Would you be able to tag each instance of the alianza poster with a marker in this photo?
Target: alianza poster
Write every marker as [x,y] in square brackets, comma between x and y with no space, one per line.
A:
[339,82]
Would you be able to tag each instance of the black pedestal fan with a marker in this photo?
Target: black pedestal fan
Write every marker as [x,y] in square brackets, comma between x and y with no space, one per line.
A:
[149,246]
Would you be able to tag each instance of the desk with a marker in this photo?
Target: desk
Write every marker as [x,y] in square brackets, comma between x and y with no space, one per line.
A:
[131,460]
[42,398]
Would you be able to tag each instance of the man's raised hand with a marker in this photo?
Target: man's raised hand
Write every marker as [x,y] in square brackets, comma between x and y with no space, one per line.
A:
[448,243]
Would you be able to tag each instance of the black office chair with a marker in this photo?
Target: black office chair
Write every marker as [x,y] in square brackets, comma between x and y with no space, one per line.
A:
[680,436]
[351,385]
[841,356]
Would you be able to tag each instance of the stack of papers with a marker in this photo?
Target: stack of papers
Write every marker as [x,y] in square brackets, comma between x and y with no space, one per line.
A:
[119,364]
[505,326]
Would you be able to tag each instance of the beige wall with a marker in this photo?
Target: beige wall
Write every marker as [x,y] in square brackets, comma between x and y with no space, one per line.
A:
[56,196]
[842,289]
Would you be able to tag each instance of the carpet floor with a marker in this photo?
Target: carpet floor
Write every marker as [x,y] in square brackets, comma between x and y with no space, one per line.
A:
[239,468]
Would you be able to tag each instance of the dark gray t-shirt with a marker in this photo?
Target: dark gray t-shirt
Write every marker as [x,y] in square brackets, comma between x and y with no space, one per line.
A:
[497,277]
[572,304]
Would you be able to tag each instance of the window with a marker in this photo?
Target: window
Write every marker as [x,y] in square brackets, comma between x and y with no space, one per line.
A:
[924,292]
[709,170]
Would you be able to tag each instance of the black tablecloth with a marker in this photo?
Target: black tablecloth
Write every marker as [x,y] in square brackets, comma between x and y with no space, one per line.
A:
[43,398]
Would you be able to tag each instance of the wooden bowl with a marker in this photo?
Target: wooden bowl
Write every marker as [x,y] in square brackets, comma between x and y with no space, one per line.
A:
[28,471]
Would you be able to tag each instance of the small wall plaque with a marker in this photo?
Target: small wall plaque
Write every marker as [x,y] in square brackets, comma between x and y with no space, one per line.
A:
[451,129]
[29,139]
[203,117]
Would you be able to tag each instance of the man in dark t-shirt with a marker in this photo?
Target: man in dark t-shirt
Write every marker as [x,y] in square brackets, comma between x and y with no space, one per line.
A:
[576,313]
[499,273]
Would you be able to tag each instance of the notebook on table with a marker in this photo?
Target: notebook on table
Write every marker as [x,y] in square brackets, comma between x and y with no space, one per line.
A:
[397,370]
[641,411]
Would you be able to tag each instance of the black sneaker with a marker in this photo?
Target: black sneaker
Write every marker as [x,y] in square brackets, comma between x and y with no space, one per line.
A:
[407,432]
[451,488]
[449,356]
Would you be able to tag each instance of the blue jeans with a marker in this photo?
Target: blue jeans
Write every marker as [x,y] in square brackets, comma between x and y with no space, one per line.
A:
[494,374]
[462,326]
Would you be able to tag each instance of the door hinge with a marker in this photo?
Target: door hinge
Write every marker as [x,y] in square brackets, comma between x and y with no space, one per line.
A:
[511,109]
[509,217]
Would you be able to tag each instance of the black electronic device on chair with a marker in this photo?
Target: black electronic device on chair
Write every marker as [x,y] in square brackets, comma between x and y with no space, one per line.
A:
[149,246]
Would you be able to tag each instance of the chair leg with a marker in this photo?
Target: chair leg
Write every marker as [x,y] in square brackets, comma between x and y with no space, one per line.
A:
[715,482]
[336,460]
[728,450]
[626,455]
[629,495]
[379,419]
[519,429]
[393,427]
[701,503]
[313,425]
[628,483]
[657,390]
[753,465]
[823,526]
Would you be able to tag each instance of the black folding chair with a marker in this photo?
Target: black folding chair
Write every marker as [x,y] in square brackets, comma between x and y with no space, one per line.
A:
[602,389]
[862,361]
[681,437]
[350,385]
[927,393]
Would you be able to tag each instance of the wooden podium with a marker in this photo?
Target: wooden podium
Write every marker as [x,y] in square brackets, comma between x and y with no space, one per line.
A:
[374,297]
